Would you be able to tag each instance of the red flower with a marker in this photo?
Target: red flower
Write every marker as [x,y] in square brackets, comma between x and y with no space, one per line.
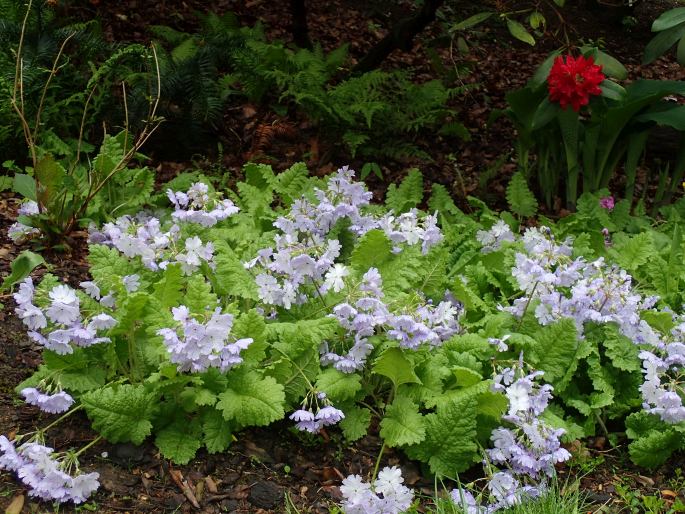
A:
[572,82]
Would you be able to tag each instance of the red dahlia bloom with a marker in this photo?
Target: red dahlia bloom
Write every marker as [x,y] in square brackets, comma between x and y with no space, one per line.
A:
[573,81]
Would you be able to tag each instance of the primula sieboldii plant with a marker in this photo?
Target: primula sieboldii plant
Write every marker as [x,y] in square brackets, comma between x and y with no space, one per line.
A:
[609,313]
[295,297]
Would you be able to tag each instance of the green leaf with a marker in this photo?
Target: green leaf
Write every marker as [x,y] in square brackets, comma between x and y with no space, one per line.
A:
[669,19]
[471,21]
[251,324]
[520,198]
[394,365]
[120,413]
[632,252]
[25,186]
[466,376]
[402,424]
[21,267]
[621,350]
[408,194]
[450,446]
[231,276]
[338,386]
[251,400]
[199,297]
[218,433]
[373,251]
[556,351]
[660,44]
[356,422]
[610,66]
[49,177]
[612,90]
[519,32]
[180,440]
[168,289]
[655,448]
[680,51]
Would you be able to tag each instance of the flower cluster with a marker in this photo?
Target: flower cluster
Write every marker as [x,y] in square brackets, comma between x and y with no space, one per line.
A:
[142,236]
[663,366]
[315,413]
[51,403]
[573,288]
[387,495]
[62,319]
[200,206]
[529,450]
[18,232]
[493,239]
[303,255]
[364,312]
[44,473]
[203,345]
[572,81]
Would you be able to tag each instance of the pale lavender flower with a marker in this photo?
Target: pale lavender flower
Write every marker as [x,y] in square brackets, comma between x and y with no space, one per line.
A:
[51,403]
[18,232]
[131,283]
[203,346]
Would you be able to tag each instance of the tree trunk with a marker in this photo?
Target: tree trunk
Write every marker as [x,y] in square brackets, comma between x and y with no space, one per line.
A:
[299,28]
[401,36]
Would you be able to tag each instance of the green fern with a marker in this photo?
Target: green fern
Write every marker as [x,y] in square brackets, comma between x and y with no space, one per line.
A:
[519,196]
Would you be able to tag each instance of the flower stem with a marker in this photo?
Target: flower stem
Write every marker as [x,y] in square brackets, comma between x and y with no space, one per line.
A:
[378,462]
[90,444]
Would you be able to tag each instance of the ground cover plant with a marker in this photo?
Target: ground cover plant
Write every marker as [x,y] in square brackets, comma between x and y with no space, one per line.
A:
[217,314]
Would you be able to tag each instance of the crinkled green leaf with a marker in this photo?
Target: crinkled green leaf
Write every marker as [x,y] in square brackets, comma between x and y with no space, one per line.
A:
[338,386]
[121,413]
[402,424]
[356,422]
[180,440]
[394,364]
[251,400]
[218,433]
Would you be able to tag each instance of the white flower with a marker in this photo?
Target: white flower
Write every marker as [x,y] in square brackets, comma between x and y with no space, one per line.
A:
[335,277]
[63,294]
[102,322]
[519,399]
[388,480]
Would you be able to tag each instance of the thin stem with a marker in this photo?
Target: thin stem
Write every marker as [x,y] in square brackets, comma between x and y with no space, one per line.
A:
[378,462]
[62,418]
[52,73]
[525,310]
[90,444]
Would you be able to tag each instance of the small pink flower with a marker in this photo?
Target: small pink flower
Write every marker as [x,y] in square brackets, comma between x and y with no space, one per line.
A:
[607,202]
